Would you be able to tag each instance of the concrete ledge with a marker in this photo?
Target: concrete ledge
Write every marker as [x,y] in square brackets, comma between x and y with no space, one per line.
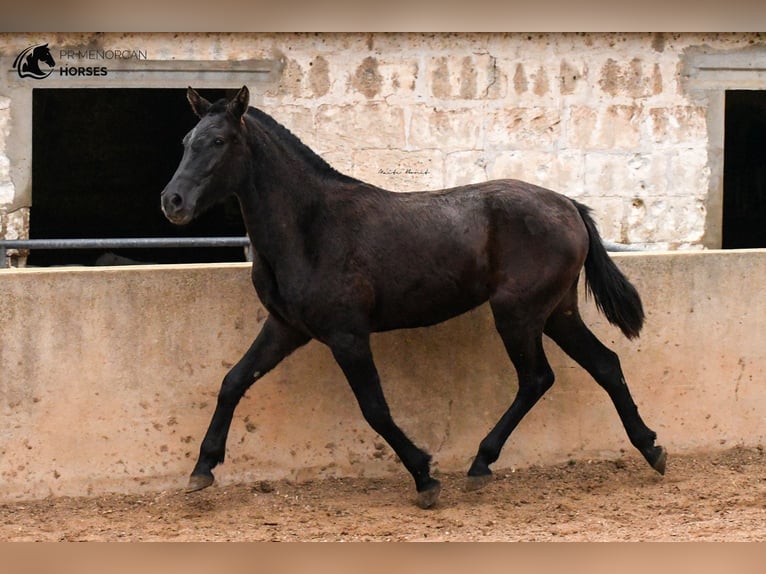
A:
[108,378]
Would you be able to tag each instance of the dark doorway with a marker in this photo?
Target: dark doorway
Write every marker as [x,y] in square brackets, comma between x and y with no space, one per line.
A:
[100,158]
[744,182]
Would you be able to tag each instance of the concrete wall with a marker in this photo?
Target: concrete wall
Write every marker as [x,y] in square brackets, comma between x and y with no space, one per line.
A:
[630,123]
[108,378]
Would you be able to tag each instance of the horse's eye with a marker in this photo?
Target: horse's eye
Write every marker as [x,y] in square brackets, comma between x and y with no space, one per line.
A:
[218,141]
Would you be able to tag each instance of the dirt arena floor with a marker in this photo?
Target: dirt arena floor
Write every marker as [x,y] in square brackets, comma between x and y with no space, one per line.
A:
[708,497]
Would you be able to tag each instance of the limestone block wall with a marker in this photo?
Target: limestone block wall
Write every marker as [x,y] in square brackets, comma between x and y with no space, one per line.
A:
[601,117]
[606,118]
[14,224]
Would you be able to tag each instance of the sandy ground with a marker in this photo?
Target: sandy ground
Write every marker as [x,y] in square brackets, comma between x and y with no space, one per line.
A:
[712,497]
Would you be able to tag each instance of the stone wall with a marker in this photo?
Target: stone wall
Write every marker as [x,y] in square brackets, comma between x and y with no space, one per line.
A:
[605,118]
[13,223]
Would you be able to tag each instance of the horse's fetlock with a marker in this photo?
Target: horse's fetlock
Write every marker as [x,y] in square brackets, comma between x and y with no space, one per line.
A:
[488,453]
[425,463]
[479,467]
[644,441]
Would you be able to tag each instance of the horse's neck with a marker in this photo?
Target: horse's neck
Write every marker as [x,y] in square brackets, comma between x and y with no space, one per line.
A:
[32,65]
[290,186]
[276,205]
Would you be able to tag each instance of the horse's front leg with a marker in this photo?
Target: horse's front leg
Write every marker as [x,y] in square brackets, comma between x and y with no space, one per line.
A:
[354,356]
[275,342]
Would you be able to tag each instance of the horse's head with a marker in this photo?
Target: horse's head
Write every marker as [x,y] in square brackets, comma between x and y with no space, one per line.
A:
[214,163]
[43,54]
[27,63]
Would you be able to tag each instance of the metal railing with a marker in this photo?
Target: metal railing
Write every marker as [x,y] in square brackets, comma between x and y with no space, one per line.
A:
[152,242]
[118,243]
[613,246]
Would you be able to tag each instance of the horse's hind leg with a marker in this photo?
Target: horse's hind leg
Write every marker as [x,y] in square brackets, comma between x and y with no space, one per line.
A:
[275,341]
[354,356]
[523,342]
[566,328]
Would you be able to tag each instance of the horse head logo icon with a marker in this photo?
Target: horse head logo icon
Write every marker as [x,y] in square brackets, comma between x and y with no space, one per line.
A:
[27,64]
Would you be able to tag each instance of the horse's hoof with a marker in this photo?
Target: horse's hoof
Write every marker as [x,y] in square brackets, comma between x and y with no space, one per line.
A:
[199,481]
[427,498]
[477,482]
[660,461]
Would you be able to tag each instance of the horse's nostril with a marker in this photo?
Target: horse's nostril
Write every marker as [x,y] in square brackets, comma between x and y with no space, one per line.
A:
[176,200]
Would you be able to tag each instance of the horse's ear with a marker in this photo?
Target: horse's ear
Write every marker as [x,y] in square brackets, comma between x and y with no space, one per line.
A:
[238,106]
[198,104]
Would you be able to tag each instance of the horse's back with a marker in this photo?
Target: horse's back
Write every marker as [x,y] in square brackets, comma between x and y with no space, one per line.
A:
[428,256]
[512,216]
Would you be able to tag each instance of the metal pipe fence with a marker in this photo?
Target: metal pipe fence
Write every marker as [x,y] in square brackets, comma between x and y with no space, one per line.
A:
[152,242]
[118,243]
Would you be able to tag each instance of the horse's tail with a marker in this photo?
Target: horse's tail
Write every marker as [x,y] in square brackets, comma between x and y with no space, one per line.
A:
[615,296]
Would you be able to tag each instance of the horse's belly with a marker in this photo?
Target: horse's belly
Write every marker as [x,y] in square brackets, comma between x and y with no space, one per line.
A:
[421,308]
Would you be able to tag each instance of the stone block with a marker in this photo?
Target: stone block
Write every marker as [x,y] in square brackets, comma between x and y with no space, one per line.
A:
[533,79]
[5,123]
[523,128]
[465,167]
[609,215]
[635,78]
[15,225]
[396,170]
[320,78]
[678,124]
[294,80]
[612,127]
[689,173]
[378,78]
[6,192]
[626,174]
[372,125]
[573,77]
[562,171]
[665,220]
[445,129]
[467,77]
[366,79]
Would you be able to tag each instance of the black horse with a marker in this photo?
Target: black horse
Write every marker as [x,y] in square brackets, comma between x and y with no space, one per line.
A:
[336,259]
[27,63]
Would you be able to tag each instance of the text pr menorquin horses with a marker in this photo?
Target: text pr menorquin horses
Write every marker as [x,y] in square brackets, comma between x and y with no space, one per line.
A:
[336,259]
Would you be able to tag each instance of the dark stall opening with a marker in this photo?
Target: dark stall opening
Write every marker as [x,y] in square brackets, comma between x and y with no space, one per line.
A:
[100,158]
[744,187]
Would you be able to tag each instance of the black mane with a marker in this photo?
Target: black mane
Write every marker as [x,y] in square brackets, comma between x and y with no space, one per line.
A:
[292,141]
[281,133]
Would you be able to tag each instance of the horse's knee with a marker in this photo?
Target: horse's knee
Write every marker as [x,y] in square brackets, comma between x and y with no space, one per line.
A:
[536,385]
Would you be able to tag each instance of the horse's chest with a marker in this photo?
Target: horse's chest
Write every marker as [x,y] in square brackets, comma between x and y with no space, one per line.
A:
[267,288]
[283,299]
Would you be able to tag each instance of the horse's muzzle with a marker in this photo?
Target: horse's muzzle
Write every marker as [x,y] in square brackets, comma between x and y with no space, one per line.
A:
[175,208]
